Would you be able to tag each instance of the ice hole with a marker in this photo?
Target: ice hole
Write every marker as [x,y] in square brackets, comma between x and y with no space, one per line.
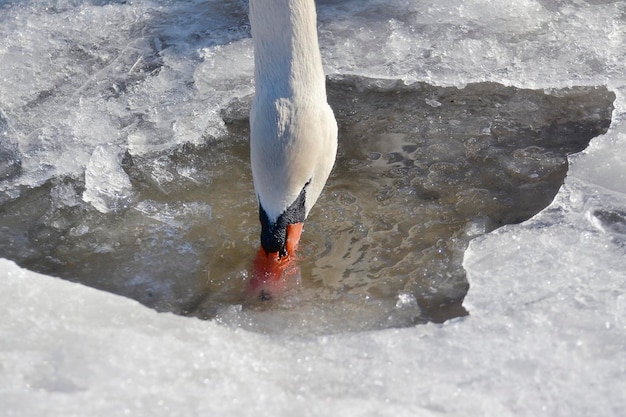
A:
[421,171]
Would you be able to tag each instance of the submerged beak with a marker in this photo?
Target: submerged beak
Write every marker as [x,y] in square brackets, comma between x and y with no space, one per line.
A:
[272,270]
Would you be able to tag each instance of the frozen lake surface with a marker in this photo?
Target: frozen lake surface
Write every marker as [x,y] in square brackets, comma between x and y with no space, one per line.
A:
[119,142]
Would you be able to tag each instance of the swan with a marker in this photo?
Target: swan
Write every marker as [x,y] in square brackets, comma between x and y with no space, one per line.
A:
[293,132]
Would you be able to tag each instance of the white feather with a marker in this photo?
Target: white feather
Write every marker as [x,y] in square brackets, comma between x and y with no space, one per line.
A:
[293,137]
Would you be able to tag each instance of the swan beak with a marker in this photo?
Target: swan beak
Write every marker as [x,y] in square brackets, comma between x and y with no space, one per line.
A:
[271,270]
[273,261]
[294,232]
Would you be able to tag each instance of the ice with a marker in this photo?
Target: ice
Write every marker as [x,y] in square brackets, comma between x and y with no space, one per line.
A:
[107,187]
[601,165]
[546,330]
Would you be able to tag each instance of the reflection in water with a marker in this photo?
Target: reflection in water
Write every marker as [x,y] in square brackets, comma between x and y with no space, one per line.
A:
[421,170]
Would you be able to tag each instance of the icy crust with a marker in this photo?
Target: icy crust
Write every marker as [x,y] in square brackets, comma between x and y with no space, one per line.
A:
[525,43]
[134,80]
[157,73]
[559,287]
[570,253]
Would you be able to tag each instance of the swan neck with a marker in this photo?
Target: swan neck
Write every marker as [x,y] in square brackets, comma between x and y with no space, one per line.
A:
[286,50]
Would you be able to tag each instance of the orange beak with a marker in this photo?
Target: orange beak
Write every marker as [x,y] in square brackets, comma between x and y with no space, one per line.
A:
[294,232]
[271,271]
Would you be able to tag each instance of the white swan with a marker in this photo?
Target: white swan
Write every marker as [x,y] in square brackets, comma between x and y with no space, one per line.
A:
[293,132]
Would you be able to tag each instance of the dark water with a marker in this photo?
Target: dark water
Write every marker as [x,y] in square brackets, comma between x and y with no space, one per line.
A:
[421,171]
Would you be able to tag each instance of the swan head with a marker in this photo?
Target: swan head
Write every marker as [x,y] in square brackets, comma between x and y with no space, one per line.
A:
[293,145]
[281,235]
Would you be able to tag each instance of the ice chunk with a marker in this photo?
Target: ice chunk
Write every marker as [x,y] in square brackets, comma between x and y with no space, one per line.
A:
[601,164]
[107,186]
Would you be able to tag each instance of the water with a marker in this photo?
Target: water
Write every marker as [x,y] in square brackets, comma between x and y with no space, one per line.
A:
[421,171]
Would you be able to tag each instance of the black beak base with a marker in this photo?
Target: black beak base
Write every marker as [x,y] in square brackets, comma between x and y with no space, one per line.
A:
[274,235]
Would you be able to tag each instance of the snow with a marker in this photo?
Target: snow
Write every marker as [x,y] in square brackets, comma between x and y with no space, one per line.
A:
[530,347]
[546,334]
